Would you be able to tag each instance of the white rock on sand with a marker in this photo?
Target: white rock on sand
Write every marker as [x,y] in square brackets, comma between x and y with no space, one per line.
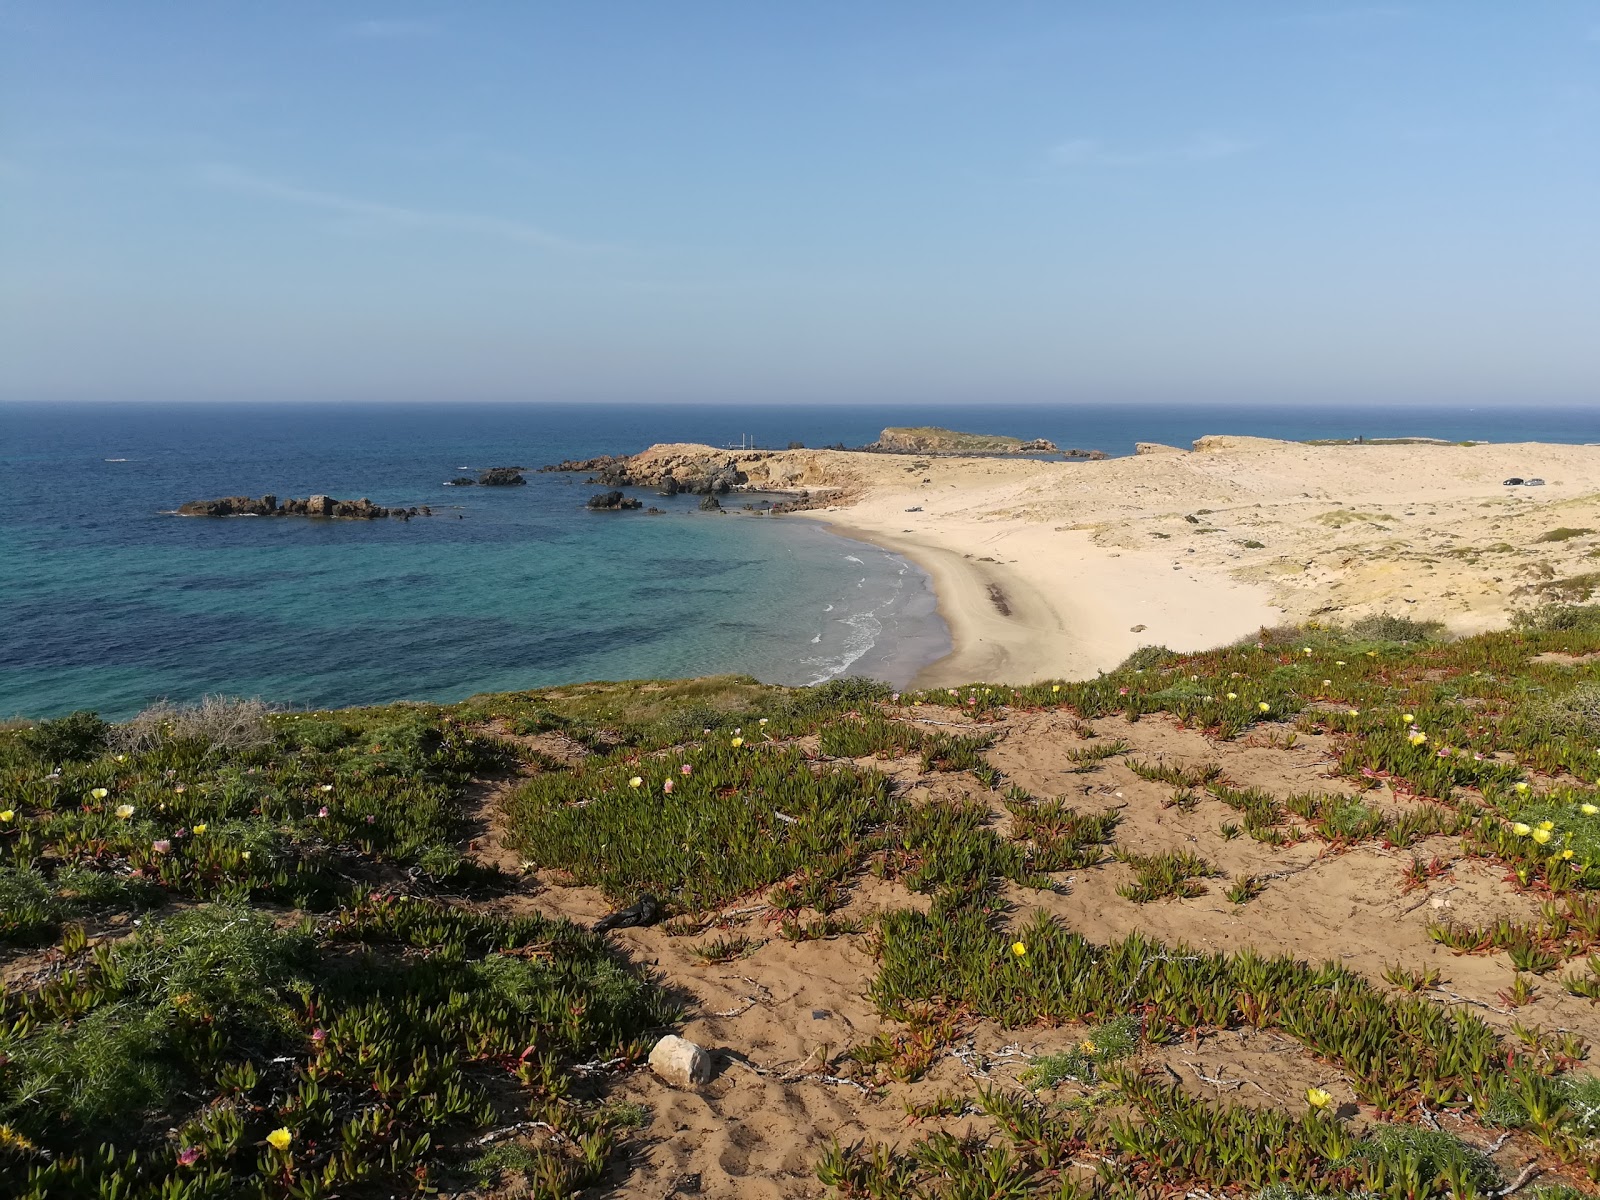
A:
[680,1063]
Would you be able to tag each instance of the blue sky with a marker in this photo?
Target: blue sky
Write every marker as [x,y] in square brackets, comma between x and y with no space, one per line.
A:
[761,202]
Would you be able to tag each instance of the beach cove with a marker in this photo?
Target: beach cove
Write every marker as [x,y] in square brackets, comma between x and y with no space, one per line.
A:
[1047,569]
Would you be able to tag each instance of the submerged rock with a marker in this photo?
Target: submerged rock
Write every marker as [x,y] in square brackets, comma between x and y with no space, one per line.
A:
[462,481]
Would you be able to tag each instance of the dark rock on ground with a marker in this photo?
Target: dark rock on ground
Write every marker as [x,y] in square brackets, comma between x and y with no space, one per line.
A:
[645,911]
[613,501]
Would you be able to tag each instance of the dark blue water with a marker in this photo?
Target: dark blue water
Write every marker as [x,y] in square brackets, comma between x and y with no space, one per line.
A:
[106,602]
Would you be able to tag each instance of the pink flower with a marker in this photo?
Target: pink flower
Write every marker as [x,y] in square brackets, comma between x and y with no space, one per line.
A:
[371,818]
[323,811]
[1443,753]
[1122,691]
[319,1036]
[686,769]
[188,1156]
[667,787]
[895,699]
[161,845]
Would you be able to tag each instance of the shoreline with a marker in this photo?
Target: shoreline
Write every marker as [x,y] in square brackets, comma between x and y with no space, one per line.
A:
[1024,603]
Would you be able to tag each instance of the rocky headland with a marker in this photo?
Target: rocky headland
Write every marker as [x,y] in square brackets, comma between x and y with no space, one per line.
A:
[311,506]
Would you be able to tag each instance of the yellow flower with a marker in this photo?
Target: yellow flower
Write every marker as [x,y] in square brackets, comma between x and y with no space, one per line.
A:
[99,793]
[1055,687]
[1327,683]
[122,758]
[245,854]
[1566,854]
[1547,825]
[763,720]
[736,742]
[1087,1046]
[1355,712]
[1418,737]
[7,815]
[279,1139]
[1264,707]
[1407,718]
[1338,662]
[1520,787]
[200,828]
[1588,810]
[124,811]
[1317,1098]
[1018,949]
[1521,830]
[1541,836]
[1372,654]
[1307,650]
[1233,695]
[635,781]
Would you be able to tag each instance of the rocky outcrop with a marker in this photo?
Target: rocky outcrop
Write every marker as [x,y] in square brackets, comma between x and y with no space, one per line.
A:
[311,506]
[710,504]
[699,475]
[613,502]
[1157,448]
[462,481]
[501,477]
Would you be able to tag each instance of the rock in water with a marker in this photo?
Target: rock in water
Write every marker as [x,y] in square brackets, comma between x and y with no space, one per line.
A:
[680,1063]
[501,477]
[710,504]
[613,502]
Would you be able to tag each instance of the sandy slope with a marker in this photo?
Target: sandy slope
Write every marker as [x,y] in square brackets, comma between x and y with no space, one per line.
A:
[1047,569]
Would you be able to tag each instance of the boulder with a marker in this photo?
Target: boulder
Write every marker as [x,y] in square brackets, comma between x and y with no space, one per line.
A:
[463,481]
[710,504]
[1157,448]
[680,1063]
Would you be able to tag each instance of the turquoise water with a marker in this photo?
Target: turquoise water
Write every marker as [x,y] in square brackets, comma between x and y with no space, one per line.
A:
[108,602]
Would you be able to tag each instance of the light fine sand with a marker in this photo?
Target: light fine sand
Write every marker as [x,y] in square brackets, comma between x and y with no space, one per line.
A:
[1061,569]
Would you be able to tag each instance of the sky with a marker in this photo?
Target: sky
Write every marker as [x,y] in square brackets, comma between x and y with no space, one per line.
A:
[850,201]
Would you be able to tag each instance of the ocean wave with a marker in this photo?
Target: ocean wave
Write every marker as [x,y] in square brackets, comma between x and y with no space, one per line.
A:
[854,559]
[864,629]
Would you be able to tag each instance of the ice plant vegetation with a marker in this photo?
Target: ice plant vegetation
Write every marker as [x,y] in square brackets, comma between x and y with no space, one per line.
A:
[242,988]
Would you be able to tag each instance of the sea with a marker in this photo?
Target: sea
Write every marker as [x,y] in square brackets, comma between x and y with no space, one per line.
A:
[110,602]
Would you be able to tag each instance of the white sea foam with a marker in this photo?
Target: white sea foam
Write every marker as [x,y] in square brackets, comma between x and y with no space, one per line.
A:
[852,558]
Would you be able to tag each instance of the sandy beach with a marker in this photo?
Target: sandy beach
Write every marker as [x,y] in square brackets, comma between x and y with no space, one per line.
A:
[1048,569]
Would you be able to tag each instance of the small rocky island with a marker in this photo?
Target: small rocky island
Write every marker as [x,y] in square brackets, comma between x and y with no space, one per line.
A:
[491,477]
[932,439]
[311,506]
